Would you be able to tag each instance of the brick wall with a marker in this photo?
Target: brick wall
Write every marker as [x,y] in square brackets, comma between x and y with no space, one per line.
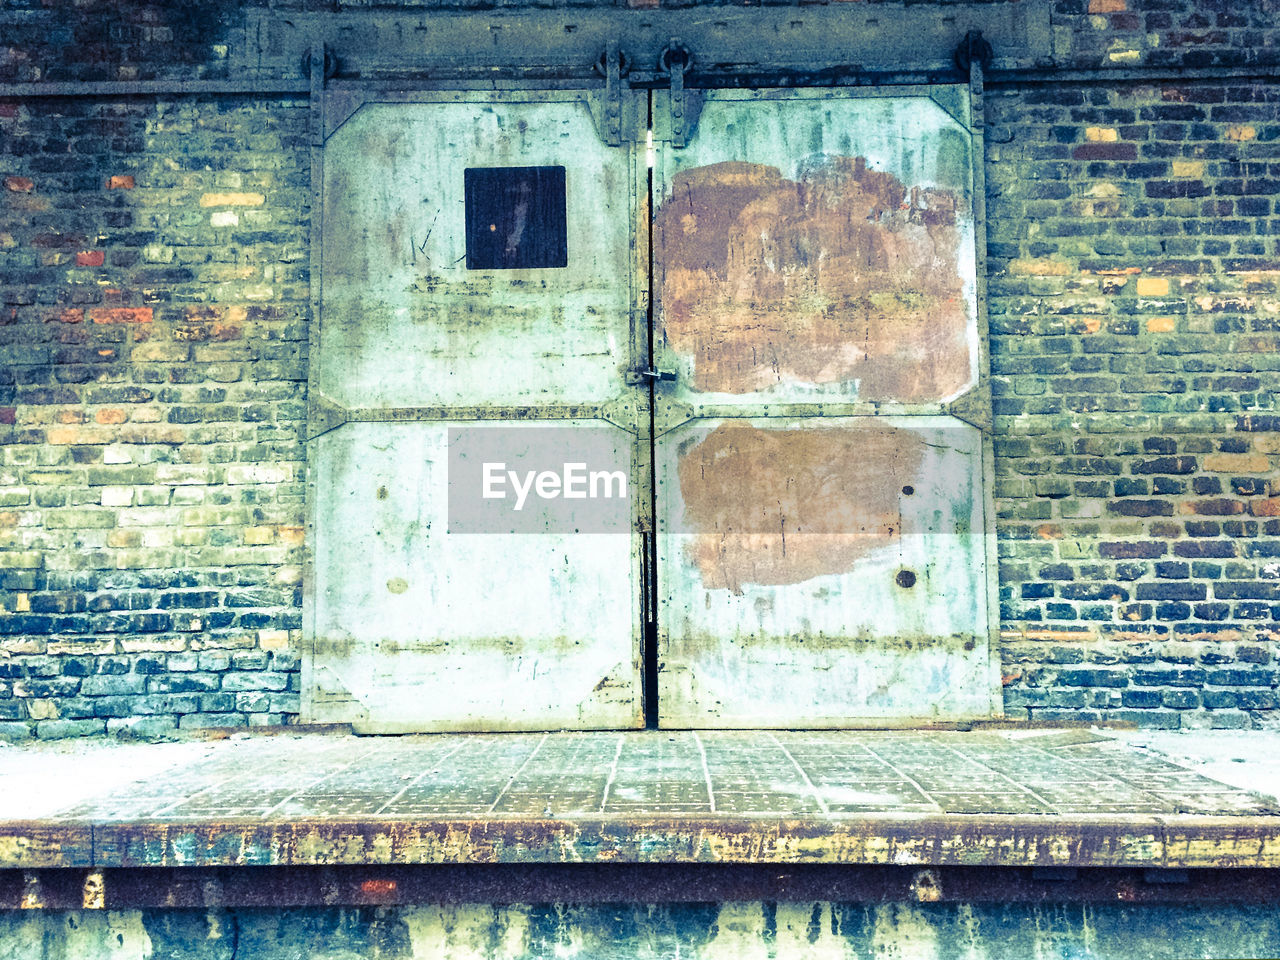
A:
[1135,304]
[45,40]
[153,262]
[153,291]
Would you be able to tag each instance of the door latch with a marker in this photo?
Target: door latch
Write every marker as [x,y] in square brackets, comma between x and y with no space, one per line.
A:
[635,377]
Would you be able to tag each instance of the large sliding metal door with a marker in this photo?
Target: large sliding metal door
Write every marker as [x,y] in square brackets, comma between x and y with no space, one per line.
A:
[479,271]
[796,410]
[821,520]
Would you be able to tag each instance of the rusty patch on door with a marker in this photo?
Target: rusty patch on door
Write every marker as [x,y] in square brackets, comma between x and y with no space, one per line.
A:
[843,274]
[781,506]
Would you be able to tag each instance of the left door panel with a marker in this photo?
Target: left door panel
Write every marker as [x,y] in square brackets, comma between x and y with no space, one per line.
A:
[478,272]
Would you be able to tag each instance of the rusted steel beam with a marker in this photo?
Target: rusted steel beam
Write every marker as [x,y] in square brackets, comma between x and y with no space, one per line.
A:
[641,79]
[1014,841]
[616,883]
[43,844]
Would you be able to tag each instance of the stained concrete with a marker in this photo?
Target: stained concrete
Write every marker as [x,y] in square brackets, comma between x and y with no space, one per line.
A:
[730,931]
[1009,798]
[740,773]
[884,784]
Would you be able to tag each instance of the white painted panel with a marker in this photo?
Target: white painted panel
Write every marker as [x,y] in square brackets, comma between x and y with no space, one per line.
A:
[782,556]
[407,324]
[419,629]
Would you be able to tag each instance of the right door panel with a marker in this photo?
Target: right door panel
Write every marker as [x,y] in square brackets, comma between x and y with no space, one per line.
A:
[822,541]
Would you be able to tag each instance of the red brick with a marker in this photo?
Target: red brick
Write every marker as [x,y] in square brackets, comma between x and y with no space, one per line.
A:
[8,414]
[19,184]
[1220,507]
[89,258]
[121,315]
[121,182]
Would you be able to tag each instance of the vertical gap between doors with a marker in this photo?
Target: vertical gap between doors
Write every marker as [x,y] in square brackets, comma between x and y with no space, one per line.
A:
[650,643]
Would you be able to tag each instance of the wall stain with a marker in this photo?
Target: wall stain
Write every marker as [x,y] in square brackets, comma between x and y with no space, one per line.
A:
[843,274]
[735,930]
[781,506]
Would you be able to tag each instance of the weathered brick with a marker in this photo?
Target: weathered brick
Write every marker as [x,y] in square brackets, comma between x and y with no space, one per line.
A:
[1171,591]
[211,721]
[104,686]
[61,729]
[143,728]
[1133,348]
[1170,678]
[259,680]
[1237,463]
[121,315]
[1093,678]
[1174,465]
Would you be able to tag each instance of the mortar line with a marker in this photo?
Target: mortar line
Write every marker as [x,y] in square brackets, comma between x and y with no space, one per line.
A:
[168,808]
[706,771]
[822,804]
[414,782]
[516,776]
[905,776]
[1002,776]
[321,779]
[613,771]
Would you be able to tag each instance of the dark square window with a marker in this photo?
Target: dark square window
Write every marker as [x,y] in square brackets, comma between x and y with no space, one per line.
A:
[515,218]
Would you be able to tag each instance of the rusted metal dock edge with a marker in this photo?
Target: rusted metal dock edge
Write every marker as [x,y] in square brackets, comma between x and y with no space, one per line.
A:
[1162,842]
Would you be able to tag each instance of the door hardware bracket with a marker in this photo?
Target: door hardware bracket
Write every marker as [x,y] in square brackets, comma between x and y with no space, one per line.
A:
[622,412]
[974,407]
[669,414]
[324,415]
[674,60]
[613,64]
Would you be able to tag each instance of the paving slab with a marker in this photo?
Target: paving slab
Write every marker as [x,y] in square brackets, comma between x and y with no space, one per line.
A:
[1006,797]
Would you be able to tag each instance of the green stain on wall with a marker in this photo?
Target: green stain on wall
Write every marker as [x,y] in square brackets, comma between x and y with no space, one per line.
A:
[747,930]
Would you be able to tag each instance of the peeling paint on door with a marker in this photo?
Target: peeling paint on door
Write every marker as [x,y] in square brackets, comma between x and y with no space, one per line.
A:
[884,617]
[772,506]
[842,275]
[817,245]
